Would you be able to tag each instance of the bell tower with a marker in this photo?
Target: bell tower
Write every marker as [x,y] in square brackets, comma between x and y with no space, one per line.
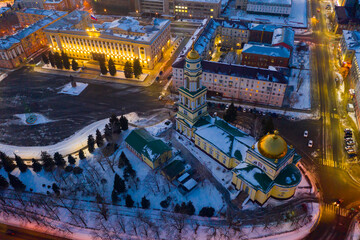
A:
[192,102]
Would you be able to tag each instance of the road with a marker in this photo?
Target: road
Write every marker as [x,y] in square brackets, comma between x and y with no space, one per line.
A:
[24,234]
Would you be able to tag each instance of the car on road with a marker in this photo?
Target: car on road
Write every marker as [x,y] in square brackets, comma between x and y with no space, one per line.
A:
[338,202]
[347,130]
[348,139]
[10,232]
[350,143]
[306,133]
[318,9]
[310,143]
[350,151]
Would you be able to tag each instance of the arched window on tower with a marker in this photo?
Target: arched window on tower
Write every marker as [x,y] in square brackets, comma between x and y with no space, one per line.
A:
[186,83]
[198,83]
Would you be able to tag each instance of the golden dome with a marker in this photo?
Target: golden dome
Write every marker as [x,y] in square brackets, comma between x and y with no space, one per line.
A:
[193,54]
[272,146]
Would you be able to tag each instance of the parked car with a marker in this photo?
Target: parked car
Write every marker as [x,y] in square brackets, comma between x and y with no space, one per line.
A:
[348,139]
[310,144]
[348,134]
[351,151]
[347,130]
[350,143]
[306,133]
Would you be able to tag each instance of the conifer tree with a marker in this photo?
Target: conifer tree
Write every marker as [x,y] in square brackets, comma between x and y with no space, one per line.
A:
[230,114]
[16,183]
[65,59]
[112,68]
[58,60]
[3,183]
[108,133]
[36,165]
[129,172]
[81,154]
[91,143]
[45,58]
[99,138]
[74,65]
[103,68]
[51,59]
[48,162]
[114,196]
[56,189]
[145,203]
[71,159]
[123,160]
[20,163]
[128,201]
[59,160]
[119,184]
[124,123]
[128,69]
[8,164]
[137,68]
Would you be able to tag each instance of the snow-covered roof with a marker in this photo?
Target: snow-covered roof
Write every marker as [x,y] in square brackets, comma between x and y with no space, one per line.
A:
[225,137]
[40,11]
[288,177]
[183,177]
[262,27]
[23,33]
[283,35]
[273,51]
[352,39]
[271,2]
[190,184]
[126,27]
[203,1]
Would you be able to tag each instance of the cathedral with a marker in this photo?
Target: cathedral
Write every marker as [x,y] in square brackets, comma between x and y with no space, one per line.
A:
[262,169]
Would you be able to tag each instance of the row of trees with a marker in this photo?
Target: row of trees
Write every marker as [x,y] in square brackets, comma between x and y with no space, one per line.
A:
[111,67]
[133,69]
[60,61]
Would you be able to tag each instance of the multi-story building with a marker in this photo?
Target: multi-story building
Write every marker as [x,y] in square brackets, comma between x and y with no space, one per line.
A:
[30,16]
[29,4]
[11,53]
[264,56]
[261,33]
[124,39]
[349,45]
[244,83]
[16,48]
[282,7]
[182,8]
[355,83]
[345,19]
[262,170]
[61,5]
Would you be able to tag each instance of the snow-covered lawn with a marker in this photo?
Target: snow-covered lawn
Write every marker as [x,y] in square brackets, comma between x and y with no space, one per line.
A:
[69,145]
[68,89]
[300,98]
[40,119]
[297,17]
[48,66]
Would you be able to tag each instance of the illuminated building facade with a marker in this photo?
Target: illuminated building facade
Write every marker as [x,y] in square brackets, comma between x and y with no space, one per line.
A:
[182,8]
[23,44]
[123,40]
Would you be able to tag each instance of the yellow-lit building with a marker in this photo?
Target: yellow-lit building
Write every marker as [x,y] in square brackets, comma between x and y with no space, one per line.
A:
[153,152]
[269,170]
[263,169]
[124,39]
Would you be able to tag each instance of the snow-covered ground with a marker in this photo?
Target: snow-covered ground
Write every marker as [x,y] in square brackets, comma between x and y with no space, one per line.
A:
[68,89]
[296,19]
[3,76]
[300,98]
[40,119]
[159,128]
[222,174]
[69,145]
[48,66]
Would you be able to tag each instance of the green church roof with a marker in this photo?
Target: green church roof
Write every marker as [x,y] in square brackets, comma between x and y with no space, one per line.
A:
[144,143]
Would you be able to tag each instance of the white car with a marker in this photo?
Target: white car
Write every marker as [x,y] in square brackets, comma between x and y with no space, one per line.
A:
[347,148]
[310,144]
[350,143]
[306,134]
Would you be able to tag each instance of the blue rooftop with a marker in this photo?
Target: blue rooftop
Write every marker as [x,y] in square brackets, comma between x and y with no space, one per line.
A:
[266,50]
